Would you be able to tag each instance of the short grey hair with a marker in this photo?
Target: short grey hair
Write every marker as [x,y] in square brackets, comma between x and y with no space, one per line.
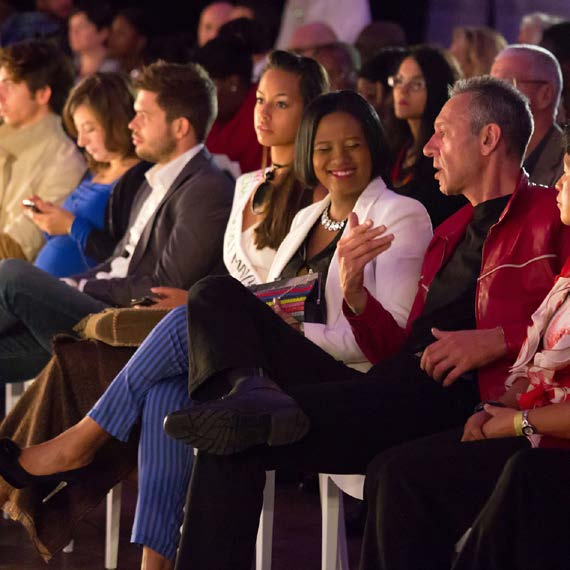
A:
[542,66]
[495,101]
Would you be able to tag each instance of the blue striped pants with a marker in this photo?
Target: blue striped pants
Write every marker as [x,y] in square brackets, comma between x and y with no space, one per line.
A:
[151,385]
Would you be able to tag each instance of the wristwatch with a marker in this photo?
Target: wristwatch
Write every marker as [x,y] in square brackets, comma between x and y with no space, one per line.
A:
[527,427]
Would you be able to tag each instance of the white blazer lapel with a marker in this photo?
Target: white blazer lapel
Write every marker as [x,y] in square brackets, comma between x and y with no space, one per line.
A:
[300,228]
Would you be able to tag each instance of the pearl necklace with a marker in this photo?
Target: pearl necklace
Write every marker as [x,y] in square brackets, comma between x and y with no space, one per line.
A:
[331,225]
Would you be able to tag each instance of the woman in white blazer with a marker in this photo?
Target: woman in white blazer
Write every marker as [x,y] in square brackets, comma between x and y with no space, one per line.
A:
[265,203]
[238,348]
[391,277]
[355,185]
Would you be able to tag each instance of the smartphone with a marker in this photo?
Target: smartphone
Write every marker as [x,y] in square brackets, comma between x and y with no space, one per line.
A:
[143,302]
[31,206]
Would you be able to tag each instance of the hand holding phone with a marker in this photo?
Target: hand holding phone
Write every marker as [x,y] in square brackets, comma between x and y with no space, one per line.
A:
[143,302]
[31,205]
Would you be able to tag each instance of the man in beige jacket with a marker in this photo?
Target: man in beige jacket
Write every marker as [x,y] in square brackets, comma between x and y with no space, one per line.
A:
[36,156]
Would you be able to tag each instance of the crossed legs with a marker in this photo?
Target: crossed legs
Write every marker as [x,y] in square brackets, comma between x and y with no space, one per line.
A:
[35,306]
[152,384]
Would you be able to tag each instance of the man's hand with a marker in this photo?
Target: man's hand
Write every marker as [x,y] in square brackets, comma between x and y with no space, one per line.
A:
[473,429]
[361,244]
[169,297]
[51,219]
[457,352]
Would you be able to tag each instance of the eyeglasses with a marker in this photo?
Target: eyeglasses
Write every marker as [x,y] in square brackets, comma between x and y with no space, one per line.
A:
[415,84]
[516,82]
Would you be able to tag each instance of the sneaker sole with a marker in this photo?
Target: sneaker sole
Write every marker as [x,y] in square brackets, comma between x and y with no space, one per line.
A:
[226,431]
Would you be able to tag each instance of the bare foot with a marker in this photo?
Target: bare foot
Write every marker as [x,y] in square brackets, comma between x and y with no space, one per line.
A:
[71,449]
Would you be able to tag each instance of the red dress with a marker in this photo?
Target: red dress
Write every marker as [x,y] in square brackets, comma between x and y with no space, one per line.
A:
[236,138]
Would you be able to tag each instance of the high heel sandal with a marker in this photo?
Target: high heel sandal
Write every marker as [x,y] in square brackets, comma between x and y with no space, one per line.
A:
[16,476]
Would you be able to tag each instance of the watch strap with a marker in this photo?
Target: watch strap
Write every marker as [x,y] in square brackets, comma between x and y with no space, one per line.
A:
[527,427]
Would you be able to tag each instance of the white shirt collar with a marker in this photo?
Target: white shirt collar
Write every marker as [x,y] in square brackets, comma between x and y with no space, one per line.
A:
[164,176]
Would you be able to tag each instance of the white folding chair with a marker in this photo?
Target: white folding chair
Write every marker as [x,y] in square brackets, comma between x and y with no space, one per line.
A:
[264,544]
[334,550]
[12,393]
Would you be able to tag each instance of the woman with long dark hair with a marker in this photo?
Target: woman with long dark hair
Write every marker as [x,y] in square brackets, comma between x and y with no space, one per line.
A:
[265,204]
[339,146]
[420,89]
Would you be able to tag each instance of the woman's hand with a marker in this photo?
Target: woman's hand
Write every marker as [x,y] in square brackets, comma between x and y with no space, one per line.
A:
[473,429]
[169,297]
[360,244]
[290,320]
[52,219]
[500,423]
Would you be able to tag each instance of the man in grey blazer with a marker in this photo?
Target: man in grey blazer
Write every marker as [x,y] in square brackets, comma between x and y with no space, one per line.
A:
[535,72]
[175,231]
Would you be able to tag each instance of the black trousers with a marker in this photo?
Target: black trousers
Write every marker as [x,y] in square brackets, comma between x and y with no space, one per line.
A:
[423,496]
[525,524]
[353,416]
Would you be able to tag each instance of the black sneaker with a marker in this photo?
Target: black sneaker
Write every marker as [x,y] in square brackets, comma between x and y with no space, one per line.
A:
[255,412]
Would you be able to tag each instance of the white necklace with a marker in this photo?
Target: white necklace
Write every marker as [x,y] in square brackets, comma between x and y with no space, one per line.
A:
[331,225]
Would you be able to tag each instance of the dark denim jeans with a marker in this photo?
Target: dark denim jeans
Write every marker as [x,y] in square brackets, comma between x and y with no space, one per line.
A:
[35,306]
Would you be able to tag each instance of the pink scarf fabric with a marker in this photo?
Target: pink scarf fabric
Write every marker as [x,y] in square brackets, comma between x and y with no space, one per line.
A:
[547,369]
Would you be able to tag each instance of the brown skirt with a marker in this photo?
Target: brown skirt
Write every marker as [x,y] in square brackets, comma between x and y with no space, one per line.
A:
[63,393]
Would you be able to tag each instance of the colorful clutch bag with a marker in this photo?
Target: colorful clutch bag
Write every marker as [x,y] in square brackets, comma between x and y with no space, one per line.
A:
[300,296]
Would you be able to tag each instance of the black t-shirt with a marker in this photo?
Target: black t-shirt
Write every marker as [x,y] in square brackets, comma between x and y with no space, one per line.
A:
[450,302]
[319,263]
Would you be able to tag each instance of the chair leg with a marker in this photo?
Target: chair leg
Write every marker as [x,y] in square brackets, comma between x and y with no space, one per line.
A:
[112,527]
[69,547]
[342,552]
[13,391]
[264,544]
[334,552]
[461,542]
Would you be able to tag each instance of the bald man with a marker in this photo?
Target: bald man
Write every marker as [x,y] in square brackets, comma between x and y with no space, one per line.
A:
[535,72]
[308,37]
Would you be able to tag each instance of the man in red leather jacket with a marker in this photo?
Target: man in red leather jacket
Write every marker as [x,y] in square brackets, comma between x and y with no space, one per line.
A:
[486,270]
[522,253]
[518,260]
